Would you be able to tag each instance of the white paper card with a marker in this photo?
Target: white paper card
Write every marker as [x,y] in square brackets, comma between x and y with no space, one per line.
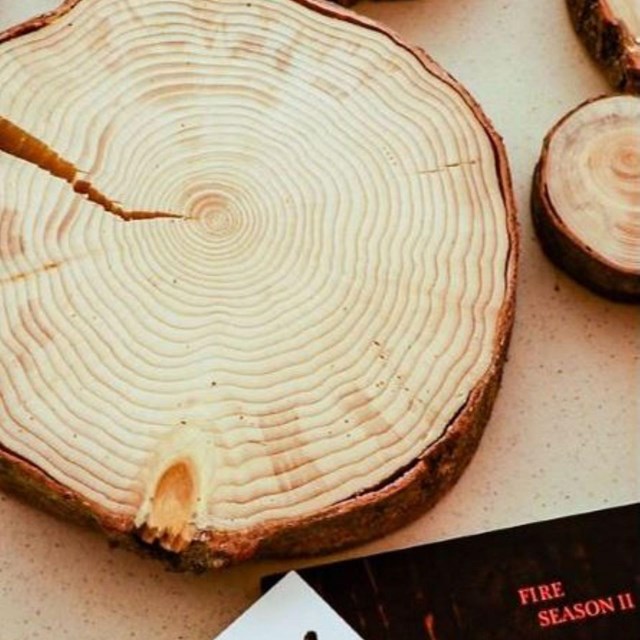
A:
[291,610]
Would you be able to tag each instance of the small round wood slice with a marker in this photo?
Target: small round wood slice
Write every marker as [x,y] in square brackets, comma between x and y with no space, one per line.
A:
[257,274]
[586,196]
[611,32]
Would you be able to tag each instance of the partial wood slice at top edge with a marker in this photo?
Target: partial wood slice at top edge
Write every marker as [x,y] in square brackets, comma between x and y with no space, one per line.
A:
[586,195]
[257,266]
[611,31]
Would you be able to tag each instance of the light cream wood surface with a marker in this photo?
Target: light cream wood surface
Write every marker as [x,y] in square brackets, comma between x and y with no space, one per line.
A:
[564,434]
[265,267]
[594,178]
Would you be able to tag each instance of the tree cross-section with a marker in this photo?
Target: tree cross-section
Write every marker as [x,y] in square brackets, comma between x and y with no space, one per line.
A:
[257,270]
[586,195]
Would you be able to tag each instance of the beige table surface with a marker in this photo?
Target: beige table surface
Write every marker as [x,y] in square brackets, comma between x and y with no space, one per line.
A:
[564,435]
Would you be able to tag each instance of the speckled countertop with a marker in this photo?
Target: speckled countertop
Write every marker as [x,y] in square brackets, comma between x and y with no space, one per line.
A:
[564,435]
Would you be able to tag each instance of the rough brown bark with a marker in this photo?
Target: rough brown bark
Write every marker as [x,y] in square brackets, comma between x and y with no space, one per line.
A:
[378,506]
[616,279]
[610,40]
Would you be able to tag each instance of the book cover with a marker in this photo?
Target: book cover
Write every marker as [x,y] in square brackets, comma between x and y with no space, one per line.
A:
[574,578]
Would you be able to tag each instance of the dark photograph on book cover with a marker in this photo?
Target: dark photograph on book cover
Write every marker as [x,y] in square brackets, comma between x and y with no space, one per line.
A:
[575,578]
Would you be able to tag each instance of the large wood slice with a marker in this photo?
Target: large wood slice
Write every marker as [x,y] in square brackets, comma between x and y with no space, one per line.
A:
[586,196]
[257,274]
[611,32]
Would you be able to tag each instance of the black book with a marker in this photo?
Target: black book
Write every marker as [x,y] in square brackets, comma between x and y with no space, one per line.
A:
[574,578]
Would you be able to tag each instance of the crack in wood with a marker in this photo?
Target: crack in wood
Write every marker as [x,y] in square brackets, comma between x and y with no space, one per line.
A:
[26,274]
[450,165]
[19,143]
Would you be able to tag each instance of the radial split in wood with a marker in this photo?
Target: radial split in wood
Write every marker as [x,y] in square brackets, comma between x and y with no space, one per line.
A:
[586,196]
[298,348]
[611,32]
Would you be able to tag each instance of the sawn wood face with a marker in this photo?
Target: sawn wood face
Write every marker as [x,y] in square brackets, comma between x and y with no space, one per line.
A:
[585,196]
[257,266]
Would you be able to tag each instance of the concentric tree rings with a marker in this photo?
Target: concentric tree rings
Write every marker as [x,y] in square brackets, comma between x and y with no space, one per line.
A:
[264,309]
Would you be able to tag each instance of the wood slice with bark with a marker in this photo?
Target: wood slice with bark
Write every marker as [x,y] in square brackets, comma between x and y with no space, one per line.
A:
[586,196]
[611,32]
[257,274]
